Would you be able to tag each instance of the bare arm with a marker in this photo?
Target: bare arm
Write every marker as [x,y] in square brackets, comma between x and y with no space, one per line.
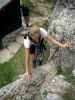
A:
[27,60]
[53,40]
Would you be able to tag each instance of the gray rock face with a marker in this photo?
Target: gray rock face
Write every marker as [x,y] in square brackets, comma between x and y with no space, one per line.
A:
[65,3]
[23,89]
[54,89]
[51,96]
[62,23]
[43,86]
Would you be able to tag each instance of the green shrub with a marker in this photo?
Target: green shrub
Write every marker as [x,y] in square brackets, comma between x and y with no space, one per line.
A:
[10,70]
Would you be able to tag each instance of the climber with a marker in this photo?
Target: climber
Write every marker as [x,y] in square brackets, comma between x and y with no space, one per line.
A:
[32,42]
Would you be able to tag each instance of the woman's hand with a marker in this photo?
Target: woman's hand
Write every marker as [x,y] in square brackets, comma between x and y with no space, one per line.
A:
[66,45]
[62,45]
[29,77]
[26,76]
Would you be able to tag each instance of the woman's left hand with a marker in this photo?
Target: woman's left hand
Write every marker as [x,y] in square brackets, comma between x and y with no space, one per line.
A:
[66,45]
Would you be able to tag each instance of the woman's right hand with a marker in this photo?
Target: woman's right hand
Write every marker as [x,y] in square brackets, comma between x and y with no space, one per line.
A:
[66,45]
[26,76]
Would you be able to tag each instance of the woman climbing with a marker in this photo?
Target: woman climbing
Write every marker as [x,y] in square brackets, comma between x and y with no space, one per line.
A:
[32,43]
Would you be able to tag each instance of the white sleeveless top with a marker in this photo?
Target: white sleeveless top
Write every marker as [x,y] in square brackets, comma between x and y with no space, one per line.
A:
[27,41]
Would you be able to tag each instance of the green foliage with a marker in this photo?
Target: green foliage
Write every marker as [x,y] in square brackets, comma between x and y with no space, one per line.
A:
[11,69]
[59,70]
[49,1]
[70,78]
[69,95]
[45,93]
[68,75]
[25,2]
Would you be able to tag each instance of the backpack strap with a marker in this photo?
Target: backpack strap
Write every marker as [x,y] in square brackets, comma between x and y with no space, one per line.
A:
[25,36]
[40,43]
[29,35]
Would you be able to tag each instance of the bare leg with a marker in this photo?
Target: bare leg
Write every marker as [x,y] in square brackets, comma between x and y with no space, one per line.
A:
[34,57]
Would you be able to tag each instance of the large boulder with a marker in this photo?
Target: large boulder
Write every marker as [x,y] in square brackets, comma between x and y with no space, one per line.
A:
[55,88]
[62,24]
[23,89]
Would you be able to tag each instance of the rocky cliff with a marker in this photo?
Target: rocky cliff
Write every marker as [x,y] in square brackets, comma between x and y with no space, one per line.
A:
[45,85]
[62,27]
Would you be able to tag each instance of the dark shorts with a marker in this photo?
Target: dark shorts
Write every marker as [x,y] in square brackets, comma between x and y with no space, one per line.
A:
[35,49]
[32,49]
